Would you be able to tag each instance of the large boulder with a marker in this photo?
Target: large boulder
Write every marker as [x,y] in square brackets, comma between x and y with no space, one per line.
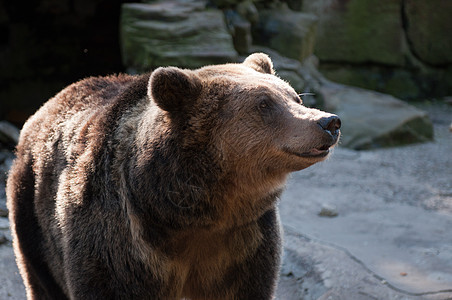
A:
[369,119]
[240,29]
[399,82]
[428,30]
[359,31]
[289,32]
[398,47]
[404,83]
[182,33]
[373,120]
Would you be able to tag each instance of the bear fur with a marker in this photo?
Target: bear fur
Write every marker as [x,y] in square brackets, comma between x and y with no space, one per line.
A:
[161,186]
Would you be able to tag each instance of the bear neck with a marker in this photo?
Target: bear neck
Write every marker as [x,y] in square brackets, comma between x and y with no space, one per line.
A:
[176,184]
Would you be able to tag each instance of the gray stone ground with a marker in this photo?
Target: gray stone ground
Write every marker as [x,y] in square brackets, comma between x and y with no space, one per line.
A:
[391,238]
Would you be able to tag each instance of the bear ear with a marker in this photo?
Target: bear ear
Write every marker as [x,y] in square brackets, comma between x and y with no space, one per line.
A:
[260,62]
[174,89]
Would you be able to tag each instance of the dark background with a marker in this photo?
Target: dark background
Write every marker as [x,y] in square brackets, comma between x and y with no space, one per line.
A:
[48,44]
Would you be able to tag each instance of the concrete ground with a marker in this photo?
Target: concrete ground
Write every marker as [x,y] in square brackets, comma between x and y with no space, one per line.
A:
[391,237]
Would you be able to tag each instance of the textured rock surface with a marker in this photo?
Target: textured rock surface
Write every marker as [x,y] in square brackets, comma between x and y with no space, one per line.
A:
[174,33]
[290,33]
[359,31]
[288,69]
[373,120]
[248,10]
[399,47]
[397,81]
[240,29]
[11,286]
[9,134]
[428,30]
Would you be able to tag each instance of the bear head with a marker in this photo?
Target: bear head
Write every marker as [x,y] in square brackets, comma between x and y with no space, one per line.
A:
[244,115]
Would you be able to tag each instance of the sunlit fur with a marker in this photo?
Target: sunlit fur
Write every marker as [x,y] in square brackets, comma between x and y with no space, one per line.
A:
[160,186]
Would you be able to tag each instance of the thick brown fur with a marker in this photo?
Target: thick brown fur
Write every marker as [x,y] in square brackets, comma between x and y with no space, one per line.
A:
[160,186]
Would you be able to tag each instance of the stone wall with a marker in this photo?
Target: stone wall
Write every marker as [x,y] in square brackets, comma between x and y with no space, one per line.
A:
[400,47]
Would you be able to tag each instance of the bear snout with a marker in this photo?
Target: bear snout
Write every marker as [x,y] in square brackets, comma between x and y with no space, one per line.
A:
[330,124]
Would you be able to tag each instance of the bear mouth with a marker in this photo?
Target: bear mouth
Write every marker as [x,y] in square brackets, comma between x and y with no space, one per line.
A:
[314,152]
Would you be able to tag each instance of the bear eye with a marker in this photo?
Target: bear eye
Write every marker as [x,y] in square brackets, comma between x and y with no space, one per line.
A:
[264,104]
[298,99]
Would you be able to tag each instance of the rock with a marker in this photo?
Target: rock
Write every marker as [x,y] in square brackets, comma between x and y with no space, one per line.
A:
[3,208]
[392,46]
[178,33]
[296,5]
[248,10]
[11,287]
[9,134]
[292,77]
[6,161]
[240,30]
[372,120]
[4,223]
[225,3]
[426,25]
[317,269]
[300,277]
[291,70]
[400,82]
[290,33]
[358,31]
[3,239]
[328,210]
[397,81]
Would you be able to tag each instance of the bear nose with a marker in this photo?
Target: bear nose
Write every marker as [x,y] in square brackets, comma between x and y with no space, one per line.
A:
[331,123]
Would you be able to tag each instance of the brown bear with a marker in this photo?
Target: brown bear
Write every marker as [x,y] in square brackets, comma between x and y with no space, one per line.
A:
[161,186]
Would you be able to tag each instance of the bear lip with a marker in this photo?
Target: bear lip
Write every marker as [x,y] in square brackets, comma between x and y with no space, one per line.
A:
[314,152]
